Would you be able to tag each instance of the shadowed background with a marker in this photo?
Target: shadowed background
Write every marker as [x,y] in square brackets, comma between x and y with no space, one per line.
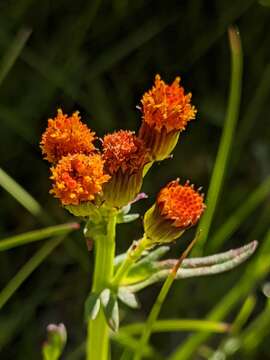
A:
[99,57]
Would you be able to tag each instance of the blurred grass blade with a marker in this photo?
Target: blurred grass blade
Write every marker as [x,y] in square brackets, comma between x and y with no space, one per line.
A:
[134,40]
[22,196]
[252,114]
[131,343]
[222,158]
[261,327]
[178,325]
[255,272]
[155,311]
[13,52]
[27,269]
[239,216]
[37,235]
[243,314]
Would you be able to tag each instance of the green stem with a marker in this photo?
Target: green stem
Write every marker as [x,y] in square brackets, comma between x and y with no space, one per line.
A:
[133,254]
[227,138]
[153,316]
[97,346]
[154,313]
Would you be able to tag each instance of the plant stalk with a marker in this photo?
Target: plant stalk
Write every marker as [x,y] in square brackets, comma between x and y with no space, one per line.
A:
[97,346]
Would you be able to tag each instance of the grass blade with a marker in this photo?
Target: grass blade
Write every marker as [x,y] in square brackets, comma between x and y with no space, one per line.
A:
[22,196]
[13,53]
[239,216]
[173,325]
[260,326]
[252,114]
[27,269]
[255,272]
[132,344]
[221,162]
[37,235]
[155,311]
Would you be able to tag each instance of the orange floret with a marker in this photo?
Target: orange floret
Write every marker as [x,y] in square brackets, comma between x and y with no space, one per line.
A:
[66,135]
[124,150]
[78,178]
[180,203]
[167,106]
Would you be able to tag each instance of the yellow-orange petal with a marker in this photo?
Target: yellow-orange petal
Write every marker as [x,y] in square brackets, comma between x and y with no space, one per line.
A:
[181,204]
[167,106]
[78,178]
[124,151]
[66,135]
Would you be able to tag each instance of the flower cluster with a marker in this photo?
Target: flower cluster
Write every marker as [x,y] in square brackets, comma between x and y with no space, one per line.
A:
[113,173]
[78,170]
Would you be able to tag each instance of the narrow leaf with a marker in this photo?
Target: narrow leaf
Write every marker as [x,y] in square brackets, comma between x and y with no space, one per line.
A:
[128,218]
[128,298]
[110,307]
[92,306]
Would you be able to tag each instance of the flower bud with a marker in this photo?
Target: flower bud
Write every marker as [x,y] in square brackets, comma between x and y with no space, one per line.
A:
[166,111]
[57,337]
[66,135]
[125,156]
[177,208]
[78,178]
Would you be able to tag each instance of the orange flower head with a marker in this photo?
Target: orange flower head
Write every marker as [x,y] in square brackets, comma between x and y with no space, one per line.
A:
[78,178]
[66,135]
[177,208]
[181,204]
[124,151]
[167,106]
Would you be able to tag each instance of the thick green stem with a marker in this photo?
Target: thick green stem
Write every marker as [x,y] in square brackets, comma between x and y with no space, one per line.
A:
[98,330]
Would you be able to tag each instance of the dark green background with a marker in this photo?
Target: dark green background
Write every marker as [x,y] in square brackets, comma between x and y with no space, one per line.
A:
[100,57]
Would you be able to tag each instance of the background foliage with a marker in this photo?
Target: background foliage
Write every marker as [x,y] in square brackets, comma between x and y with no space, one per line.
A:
[99,57]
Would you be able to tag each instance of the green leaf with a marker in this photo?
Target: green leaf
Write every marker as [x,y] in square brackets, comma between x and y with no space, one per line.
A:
[124,217]
[127,218]
[155,254]
[111,309]
[128,298]
[105,297]
[92,306]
